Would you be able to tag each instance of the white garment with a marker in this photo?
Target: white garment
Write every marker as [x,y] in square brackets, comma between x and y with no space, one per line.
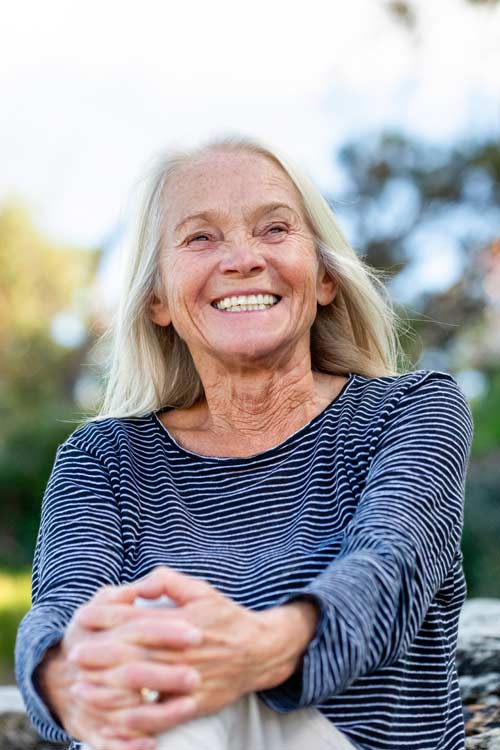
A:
[248,724]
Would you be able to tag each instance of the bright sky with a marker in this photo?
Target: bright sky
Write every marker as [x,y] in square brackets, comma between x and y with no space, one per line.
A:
[90,90]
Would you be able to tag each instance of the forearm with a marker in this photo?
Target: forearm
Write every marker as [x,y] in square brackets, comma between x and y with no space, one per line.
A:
[288,630]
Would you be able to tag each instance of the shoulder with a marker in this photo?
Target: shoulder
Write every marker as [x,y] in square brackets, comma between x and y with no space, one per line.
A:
[105,438]
[415,395]
[393,388]
[421,403]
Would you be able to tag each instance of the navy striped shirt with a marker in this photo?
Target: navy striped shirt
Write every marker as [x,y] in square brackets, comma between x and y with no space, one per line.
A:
[361,510]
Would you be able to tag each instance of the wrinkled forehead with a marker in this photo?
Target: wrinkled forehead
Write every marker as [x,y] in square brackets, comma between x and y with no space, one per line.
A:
[234,184]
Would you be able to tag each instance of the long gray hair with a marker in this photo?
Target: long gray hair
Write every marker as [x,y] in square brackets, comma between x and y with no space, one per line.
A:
[149,366]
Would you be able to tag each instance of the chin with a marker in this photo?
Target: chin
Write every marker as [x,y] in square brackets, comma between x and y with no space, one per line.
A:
[249,352]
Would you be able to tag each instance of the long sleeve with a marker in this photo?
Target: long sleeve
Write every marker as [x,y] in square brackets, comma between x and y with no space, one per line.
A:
[398,548]
[78,550]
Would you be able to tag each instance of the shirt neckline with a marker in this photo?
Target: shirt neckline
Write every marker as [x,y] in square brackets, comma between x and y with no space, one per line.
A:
[241,459]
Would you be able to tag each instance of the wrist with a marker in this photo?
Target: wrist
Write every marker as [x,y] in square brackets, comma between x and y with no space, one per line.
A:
[288,629]
[308,613]
[52,679]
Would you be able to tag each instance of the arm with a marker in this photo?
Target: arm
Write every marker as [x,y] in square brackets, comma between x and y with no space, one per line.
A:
[78,550]
[398,547]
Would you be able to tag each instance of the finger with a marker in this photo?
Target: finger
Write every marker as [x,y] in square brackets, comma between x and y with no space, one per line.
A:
[95,616]
[123,594]
[156,628]
[133,676]
[162,632]
[98,697]
[103,655]
[180,587]
[157,718]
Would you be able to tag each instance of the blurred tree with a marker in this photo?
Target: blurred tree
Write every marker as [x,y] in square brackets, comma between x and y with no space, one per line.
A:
[43,341]
[405,12]
[401,197]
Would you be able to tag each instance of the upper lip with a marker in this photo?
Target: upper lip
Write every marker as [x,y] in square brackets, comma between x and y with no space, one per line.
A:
[243,293]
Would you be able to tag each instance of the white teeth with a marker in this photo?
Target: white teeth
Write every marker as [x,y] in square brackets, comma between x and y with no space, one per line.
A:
[245,308]
[247,302]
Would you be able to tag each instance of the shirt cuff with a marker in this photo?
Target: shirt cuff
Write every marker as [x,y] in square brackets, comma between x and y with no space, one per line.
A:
[41,717]
[290,694]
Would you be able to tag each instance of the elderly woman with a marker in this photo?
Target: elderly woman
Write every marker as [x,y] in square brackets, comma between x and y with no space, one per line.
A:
[263,460]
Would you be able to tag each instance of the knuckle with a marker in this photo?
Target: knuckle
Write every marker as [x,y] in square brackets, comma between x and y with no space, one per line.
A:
[158,575]
[94,699]
[82,613]
[105,699]
[161,569]
[186,677]
[133,721]
[129,674]
[105,591]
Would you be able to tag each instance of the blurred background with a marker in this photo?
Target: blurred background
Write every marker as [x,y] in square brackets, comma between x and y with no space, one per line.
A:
[392,107]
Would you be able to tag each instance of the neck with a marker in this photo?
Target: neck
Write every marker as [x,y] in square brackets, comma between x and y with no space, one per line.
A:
[247,401]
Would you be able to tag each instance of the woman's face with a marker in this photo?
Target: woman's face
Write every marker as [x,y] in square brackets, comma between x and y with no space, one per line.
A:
[235,229]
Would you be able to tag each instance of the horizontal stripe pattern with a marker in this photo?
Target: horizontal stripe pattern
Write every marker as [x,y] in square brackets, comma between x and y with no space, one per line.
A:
[360,511]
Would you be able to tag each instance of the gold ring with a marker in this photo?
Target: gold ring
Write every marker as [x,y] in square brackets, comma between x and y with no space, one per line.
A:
[149,696]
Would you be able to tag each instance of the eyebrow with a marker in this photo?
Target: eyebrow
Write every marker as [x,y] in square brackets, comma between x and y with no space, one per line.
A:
[208,214]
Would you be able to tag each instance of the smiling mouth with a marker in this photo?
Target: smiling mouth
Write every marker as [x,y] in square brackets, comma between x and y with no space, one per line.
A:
[251,303]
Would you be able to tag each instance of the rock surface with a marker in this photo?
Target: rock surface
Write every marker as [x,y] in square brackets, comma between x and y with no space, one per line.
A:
[16,733]
[478,663]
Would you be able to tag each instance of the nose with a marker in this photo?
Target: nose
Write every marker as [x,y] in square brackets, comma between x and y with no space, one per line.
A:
[241,258]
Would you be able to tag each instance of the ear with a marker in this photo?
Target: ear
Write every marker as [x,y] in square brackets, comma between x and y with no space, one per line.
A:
[158,311]
[326,288]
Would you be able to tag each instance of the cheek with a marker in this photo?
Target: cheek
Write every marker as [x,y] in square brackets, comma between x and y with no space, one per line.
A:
[300,264]
[302,277]
[186,282]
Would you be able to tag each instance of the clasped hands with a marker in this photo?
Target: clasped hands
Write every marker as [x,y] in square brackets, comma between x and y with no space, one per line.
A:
[201,656]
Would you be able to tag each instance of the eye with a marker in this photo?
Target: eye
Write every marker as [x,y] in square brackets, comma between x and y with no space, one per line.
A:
[278,227]
[199,238]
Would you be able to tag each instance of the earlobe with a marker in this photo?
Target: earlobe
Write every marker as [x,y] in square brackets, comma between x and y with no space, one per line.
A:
[158,312]
[327,289]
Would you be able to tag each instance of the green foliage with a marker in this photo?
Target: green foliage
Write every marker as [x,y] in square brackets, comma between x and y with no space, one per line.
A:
[15,601]
[27,453]
[38,281]
[37,375]
[482,528]
[482,500]
[486,414]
